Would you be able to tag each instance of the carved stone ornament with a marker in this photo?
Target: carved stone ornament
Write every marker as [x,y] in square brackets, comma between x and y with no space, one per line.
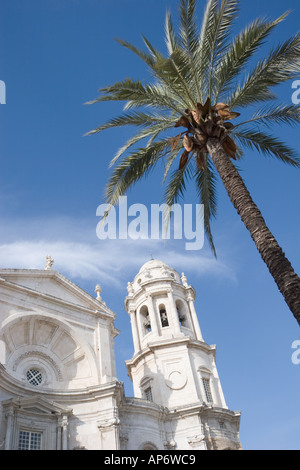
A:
[195,441]
[107,423]
[164,272]
[176,380]
[184,280]
[170,445]
[49,262]
[98,291]
[129,288]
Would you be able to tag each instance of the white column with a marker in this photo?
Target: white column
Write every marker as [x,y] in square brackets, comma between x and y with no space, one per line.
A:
[194,317]
[65,433]
[140,325]
[135,334]
[153,317]
[9,429]
[173,313]
[58,437]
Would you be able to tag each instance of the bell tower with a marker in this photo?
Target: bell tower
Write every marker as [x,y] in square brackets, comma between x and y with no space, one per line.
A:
[172,365]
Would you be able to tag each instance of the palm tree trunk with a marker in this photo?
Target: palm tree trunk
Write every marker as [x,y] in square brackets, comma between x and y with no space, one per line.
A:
[279,266]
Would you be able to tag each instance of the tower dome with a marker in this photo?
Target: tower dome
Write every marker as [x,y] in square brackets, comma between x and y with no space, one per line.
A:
[153,270]
[153,263]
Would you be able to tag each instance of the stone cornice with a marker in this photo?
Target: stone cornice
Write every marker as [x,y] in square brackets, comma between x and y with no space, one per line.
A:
[140,405]
[158,286]
[218,413]
[144,407]
[16,387]
[160,344]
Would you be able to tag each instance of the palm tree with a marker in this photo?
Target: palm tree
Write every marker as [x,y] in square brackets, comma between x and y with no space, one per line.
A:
[197,86]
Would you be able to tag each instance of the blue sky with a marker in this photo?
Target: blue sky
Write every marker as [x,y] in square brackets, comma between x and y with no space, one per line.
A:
[54,56]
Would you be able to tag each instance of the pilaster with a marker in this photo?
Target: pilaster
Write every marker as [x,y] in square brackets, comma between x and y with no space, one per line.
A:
[190,299]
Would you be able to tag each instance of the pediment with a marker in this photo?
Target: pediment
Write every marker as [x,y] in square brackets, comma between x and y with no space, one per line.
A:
[36,409]
[37,405]
[52,284]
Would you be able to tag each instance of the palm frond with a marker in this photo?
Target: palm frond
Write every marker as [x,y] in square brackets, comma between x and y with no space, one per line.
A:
[152,132]
[121,91]
[226,14]
[132,168]
[241,50]
[171,157]
[204,45]
[156,54]
[176,69]
[206,188]
[135,118]
[216,26]
[168,71]
[175,189]
[188,26]
[282,64]
[267,145]
[269,115]
[159,97]
[146,57]
[189,43]
[137,95]
[177,184]
[171,39]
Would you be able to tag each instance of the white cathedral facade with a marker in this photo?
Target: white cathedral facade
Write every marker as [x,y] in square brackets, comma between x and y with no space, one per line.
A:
[58,383]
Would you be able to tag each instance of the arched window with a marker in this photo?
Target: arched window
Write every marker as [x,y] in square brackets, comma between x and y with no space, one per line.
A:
[163,316]
[148,446]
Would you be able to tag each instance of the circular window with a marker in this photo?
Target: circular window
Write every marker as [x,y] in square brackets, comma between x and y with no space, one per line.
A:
[34,376]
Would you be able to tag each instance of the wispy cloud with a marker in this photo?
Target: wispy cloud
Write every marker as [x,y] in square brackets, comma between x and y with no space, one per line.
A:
[79,254]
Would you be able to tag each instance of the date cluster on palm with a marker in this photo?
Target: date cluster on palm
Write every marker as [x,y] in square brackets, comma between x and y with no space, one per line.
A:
[203,122]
